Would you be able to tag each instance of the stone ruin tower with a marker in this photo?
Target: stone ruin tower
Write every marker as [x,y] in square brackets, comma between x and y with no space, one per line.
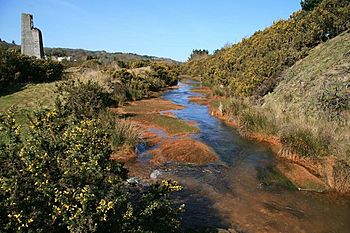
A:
[32,41]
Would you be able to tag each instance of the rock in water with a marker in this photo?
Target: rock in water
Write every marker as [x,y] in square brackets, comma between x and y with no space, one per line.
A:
[155,174]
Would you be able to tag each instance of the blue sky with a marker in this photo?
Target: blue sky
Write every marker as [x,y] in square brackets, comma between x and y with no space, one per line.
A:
[165,28]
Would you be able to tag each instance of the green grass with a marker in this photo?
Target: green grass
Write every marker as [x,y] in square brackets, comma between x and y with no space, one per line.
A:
[32,96]
[314,96]
[170,124]
[254,121]
[29,98]
[215,103]
[306,143]
[306,82]
[152,106]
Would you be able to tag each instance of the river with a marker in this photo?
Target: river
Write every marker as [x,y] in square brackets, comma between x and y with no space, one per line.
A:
[228,193]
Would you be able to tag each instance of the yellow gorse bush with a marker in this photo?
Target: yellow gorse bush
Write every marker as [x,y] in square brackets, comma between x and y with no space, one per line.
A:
[59,178]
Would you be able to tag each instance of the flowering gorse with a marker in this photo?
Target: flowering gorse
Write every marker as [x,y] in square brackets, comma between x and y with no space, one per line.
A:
[56,176]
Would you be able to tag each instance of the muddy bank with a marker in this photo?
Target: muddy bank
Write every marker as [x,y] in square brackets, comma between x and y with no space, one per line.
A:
[184,150]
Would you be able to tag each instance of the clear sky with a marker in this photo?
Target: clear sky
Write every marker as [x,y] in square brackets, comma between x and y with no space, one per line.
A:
[165,28]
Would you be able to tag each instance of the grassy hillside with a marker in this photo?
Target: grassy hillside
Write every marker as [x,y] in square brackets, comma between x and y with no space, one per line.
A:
[315,94]
[28,98]
[318,85]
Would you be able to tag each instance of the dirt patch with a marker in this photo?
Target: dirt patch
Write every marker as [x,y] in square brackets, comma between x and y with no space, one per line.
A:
[203,90]
[301,177]
[183,150]
[154,105]
[169,114]
[151,138]
[199,100]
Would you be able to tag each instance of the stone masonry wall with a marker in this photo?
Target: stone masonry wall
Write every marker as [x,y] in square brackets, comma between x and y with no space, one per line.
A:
[32,42]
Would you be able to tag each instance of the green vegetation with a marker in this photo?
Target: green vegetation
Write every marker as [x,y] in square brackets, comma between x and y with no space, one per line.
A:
[125,133]
[306,143]
[56,174]
[139,85]
[254,121]
[309,5]
[291,82]
[69,183]
[82,99]
[151,106]
[306,103]
[28,98]
[316,89]
[272,178]
[198,54]
[171,125]
[253,66]
[60,178]
[19,69]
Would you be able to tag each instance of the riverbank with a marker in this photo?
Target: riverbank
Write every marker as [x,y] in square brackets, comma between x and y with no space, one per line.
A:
[307,173]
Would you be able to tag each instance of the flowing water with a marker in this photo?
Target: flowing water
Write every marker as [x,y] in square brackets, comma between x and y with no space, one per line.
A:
[228,193]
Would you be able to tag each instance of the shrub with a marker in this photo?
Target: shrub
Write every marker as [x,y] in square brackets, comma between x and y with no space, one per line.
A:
[251,67]
[84,100]
[306,143]
[309,5]
[17,68]
[165,72]
[139,63]
[60,179]
[153,210]
[138,86]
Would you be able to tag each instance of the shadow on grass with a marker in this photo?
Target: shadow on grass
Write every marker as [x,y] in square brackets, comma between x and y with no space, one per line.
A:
[126,115]
[12,88]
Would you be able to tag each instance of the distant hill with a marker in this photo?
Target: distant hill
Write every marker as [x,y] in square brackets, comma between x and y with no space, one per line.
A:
[80,55]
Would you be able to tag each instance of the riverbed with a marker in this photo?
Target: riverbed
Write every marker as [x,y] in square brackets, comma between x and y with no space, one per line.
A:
[230,192]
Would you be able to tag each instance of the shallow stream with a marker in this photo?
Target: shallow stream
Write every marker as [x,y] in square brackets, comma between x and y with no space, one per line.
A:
[228,193]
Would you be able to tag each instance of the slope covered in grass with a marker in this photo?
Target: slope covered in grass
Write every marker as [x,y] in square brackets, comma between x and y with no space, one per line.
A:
[318,85]
[315,95]
[28,98]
